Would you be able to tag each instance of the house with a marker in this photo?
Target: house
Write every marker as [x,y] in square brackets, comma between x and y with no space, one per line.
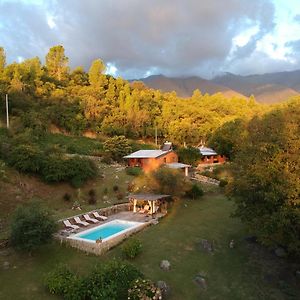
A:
[210,156]
[150,160]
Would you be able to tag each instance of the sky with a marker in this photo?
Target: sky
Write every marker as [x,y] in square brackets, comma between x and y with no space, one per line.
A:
[138,38]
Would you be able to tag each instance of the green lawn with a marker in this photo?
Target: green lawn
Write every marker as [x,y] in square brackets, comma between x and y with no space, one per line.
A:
[231,273]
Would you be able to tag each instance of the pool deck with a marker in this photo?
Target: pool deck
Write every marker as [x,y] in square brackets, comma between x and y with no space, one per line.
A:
[124,215]
[98,248]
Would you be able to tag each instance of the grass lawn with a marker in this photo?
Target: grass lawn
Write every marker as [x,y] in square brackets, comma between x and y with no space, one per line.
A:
[237,273]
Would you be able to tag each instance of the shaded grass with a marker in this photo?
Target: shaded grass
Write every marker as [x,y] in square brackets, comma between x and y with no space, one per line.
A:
[230,273]
[74,145]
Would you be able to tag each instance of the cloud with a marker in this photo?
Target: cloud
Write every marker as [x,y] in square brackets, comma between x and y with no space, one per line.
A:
[297,18]
[138,37]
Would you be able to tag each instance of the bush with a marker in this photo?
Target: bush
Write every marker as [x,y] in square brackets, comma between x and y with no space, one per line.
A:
[106,159]
[132,248]
[67,197]
[195,192]
[105,191]
[31,227]
[144,289]
[189,155]
[92,197]
[110,281]
[61,281]
[120,196]
[76,170]
[115,188]
[223,182]
[134,171]
[169,181]
[117,147]
[26,158]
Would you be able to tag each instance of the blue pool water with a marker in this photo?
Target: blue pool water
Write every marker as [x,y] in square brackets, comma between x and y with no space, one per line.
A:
[106,230]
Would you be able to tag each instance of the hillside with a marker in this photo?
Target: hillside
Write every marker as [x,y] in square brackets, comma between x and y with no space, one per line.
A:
[267,88]
[184,87]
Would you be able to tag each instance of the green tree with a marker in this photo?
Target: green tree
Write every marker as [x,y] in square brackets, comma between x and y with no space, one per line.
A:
[57,63]
[228,138]
[31,227]
[96,72]
[117,147]
[266,181]
[189,155]
[163,181]
[2,60]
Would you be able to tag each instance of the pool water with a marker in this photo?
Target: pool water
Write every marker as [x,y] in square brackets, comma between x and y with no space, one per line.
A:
[107,230]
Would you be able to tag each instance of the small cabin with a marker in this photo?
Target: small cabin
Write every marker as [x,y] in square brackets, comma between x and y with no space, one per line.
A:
[210,156]
[150,160]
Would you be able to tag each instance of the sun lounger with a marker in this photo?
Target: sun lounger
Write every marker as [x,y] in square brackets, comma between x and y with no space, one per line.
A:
[88,218]
[96,215]
[78,221]
[67,223]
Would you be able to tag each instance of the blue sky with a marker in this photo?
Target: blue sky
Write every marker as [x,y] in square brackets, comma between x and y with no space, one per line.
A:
[137,38]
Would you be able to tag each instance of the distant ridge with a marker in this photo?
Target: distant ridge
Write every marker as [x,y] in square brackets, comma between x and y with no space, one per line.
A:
[267,88]
[185,86]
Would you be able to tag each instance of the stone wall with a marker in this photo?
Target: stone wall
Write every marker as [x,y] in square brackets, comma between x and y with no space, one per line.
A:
[100,248]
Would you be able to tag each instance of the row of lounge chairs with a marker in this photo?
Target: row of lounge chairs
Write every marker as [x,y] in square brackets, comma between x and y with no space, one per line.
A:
[87,218]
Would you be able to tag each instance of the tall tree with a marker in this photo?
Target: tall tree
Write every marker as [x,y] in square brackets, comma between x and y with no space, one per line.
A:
[57,63]
[2,59]
[96,71]
[266,182]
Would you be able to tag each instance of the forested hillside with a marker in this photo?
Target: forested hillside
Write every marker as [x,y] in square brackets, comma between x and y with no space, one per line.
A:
[76,101]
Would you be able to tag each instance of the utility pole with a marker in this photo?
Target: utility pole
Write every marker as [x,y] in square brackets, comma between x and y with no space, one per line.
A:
[7,116]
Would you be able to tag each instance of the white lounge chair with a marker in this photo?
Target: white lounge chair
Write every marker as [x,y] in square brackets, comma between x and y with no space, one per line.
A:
[78,221]
[96,215]
[88,218]
[67,223]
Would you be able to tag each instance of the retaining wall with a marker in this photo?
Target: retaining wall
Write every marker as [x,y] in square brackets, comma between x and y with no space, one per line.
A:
[102,247]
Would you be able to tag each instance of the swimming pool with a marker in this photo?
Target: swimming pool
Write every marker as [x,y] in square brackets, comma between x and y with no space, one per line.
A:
[106,231]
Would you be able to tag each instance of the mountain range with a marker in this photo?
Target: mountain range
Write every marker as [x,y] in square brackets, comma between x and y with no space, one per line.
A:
[267,88]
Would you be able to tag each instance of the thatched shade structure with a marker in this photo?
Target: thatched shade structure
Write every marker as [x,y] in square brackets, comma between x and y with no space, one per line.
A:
[155,201]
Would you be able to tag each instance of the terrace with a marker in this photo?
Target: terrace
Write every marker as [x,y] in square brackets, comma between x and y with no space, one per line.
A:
[134,213]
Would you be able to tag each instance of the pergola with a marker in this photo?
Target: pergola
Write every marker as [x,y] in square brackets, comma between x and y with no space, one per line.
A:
[152,199]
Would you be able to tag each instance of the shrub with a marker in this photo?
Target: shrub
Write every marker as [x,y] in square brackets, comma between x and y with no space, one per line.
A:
[67,197]
[134,171]
[115,188]
[169,181]
[92,197]
[195,192]
[105,191]
[132,248]
[189,155]
[61,281]
[144,289]
[107,281]
[26,158]
[117,147]
[31,227]
[110,281]
[75,170]
[54,169]
[120,196]
[223,182]
[106,159]
[80,170]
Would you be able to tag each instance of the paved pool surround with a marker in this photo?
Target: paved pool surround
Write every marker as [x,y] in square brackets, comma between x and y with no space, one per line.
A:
[106,244]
